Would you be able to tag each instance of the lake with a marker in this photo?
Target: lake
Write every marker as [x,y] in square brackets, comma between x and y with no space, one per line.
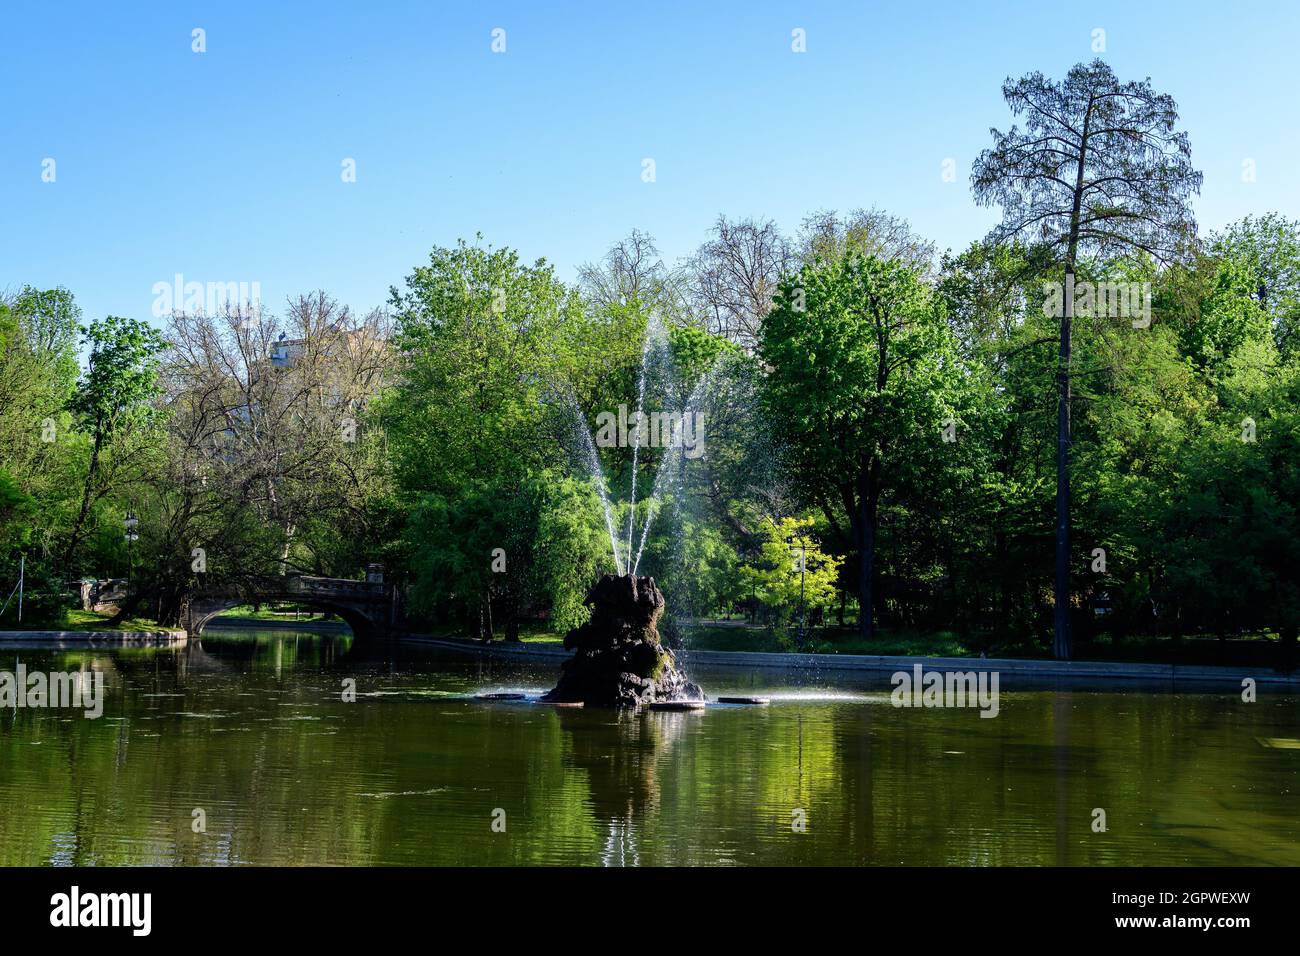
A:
[248,733]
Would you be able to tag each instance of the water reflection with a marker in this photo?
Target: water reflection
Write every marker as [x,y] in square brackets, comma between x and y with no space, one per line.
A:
[252,728]
[619,756]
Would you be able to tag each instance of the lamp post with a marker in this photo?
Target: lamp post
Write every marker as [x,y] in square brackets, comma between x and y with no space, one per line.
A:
[803,566]
[130,522]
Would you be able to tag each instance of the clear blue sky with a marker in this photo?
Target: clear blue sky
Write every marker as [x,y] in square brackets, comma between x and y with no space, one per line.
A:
[225,165]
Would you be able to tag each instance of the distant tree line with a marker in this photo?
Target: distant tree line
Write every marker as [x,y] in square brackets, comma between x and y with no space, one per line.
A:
[1086,422]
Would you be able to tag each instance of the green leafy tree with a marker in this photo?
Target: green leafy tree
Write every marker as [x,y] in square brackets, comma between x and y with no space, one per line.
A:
[864,383]
[785,575]
[38,371]
[490,349]
[1266,249]
[114,404]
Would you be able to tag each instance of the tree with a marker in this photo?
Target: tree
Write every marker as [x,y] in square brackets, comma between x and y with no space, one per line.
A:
[38,447]
[734,275]
[114,404]
[1267,250]
[269,465]
[987,293]
[1226,311]
[784,576]
[486,344]
[632,276]
[869,232]
[1099,167]
[864,378]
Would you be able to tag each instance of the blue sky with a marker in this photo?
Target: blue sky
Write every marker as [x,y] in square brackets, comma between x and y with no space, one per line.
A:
[225,166]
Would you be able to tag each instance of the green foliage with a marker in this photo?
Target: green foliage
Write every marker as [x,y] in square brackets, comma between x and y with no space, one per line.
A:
[16,511]
[489,348]
[484,340]
[121,379]
[695,350]
[115,406]
[551,547]
[773,576]
[46,599]
[1266,249]
[571,549]
[908,416]
[866,390]
[697,564]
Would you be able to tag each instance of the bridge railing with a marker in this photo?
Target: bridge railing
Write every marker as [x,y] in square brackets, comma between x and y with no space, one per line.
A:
[309,584]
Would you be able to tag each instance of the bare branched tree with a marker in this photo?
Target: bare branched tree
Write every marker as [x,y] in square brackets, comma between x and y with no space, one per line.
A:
[868,232]
[631,272]
[265,419]
[733,276]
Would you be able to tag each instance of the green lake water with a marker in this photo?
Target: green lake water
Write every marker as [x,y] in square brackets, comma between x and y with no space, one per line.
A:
[251,729]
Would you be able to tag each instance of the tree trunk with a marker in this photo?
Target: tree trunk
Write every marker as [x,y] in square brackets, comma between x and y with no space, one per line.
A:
[1061,616]
[133,600]
[1004,581]
[867,497]
[74,538]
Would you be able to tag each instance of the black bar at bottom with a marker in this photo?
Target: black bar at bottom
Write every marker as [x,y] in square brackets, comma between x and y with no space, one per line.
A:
[578,907]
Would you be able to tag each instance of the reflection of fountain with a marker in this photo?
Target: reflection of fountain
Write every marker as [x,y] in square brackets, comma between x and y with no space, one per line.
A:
[618,660]
[620,759]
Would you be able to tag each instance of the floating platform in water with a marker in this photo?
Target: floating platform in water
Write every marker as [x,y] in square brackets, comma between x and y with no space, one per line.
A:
[563,703]
[677,705]
[501,696]
[745,700]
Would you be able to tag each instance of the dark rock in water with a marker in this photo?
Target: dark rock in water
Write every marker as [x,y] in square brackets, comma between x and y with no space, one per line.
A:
[677,705]
[618,660]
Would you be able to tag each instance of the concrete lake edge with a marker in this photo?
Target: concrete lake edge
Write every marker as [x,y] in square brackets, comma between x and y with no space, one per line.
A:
[842,663]
[868,663]
[256,623]
[164,637]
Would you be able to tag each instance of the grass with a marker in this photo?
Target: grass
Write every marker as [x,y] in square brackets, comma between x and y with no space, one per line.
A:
[79,620]
[746,637]
[826,640]
[269,614]
[541,637]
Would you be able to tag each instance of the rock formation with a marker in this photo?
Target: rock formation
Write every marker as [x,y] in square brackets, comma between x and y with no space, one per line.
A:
[618,660]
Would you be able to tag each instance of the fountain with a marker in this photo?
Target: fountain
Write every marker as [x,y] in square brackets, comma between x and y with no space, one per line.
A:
[618,659]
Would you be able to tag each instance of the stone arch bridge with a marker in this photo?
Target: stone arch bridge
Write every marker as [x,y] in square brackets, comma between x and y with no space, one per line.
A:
[370,608]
